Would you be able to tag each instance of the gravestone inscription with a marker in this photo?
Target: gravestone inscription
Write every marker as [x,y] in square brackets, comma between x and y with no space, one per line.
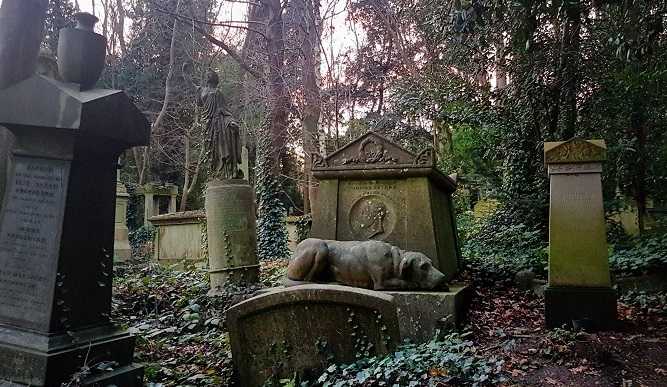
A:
[30,239]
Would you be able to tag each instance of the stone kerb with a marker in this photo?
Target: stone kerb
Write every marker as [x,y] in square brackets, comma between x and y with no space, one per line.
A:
[301,329]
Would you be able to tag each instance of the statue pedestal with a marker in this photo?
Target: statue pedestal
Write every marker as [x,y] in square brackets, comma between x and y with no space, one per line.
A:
[232,241]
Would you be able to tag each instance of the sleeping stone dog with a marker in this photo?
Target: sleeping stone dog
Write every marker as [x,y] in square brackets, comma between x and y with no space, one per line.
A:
[365,264]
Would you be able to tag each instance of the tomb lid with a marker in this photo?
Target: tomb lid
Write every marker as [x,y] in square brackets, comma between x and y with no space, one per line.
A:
[186,217]
[374,156]
[46,103]
[575,150]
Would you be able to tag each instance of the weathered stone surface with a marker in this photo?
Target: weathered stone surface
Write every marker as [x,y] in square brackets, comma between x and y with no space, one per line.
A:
[179,237]
[302,328]
[56,228]
[232,240]
[121,244]
[374,189]
[578,261]
[159,199]
[421,314]
[577,232]
[367,264]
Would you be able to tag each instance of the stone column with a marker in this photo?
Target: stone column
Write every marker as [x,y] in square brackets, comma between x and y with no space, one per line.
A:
[173,192]
[149,203]
[579,281]
[232,240]
[121,246]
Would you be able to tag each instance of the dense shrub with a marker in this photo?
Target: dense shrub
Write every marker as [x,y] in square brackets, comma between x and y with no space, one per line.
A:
[140,238]
[498,246]
[645,255]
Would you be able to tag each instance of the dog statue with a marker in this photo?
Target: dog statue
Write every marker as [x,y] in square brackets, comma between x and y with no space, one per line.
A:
[366,264]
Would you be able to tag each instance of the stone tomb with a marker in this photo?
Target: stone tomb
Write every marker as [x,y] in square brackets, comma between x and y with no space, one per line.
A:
[180,239]
[304,328]
[374,189]
[57,231]
[159,199]
[579,285]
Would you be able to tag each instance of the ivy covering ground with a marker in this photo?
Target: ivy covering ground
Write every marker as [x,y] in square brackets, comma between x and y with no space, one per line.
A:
[182,339]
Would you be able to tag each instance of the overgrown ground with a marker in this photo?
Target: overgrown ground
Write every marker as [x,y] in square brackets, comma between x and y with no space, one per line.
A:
[182,339]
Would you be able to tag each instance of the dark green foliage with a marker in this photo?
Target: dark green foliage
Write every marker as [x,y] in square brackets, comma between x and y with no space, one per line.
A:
[59,15]
[139,238]
[500,246]
[452,360]
[271,226]
[303,225]
[644,256]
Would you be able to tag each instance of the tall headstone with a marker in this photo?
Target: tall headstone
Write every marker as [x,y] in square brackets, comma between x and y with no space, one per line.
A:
[374,189]
[232,241]
[121,245]
[579,281]
[56,227]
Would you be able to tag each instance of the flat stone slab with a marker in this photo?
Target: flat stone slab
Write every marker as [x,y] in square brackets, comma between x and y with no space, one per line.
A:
[422,313]
[302,329]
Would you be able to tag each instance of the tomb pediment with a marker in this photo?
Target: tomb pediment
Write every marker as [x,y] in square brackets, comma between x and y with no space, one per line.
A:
[575,151]
[373,151]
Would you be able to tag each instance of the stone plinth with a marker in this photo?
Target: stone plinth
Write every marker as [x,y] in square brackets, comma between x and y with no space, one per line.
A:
[374,189]
[159,199]
[579,280]
[421,313]
[56,229]
[179,238]
[301,329]
[121,245]
[232,238]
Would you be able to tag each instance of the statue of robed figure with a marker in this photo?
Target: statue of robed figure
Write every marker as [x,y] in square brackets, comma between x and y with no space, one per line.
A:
[223,140]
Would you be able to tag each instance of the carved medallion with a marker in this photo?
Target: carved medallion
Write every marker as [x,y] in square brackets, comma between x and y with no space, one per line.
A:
[372,217]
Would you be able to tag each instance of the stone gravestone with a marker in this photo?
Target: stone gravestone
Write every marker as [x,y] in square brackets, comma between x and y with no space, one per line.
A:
[304,328]
[56,231]
[579,281]
[374,189]
[121,245]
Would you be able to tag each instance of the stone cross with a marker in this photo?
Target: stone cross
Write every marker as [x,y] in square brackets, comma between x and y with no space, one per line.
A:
[579,280]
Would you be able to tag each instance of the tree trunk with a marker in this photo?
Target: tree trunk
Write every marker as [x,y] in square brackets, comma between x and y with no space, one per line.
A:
[142,155]
[312,108]
[569,60]
[278,99]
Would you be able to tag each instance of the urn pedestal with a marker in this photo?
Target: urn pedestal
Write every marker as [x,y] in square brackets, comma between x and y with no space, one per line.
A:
[57,232]
[232,238]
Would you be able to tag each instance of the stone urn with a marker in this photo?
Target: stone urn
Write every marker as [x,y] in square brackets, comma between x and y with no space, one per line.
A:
[81,52]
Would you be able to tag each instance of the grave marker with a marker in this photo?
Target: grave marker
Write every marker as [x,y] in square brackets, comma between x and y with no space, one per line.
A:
[579,280]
